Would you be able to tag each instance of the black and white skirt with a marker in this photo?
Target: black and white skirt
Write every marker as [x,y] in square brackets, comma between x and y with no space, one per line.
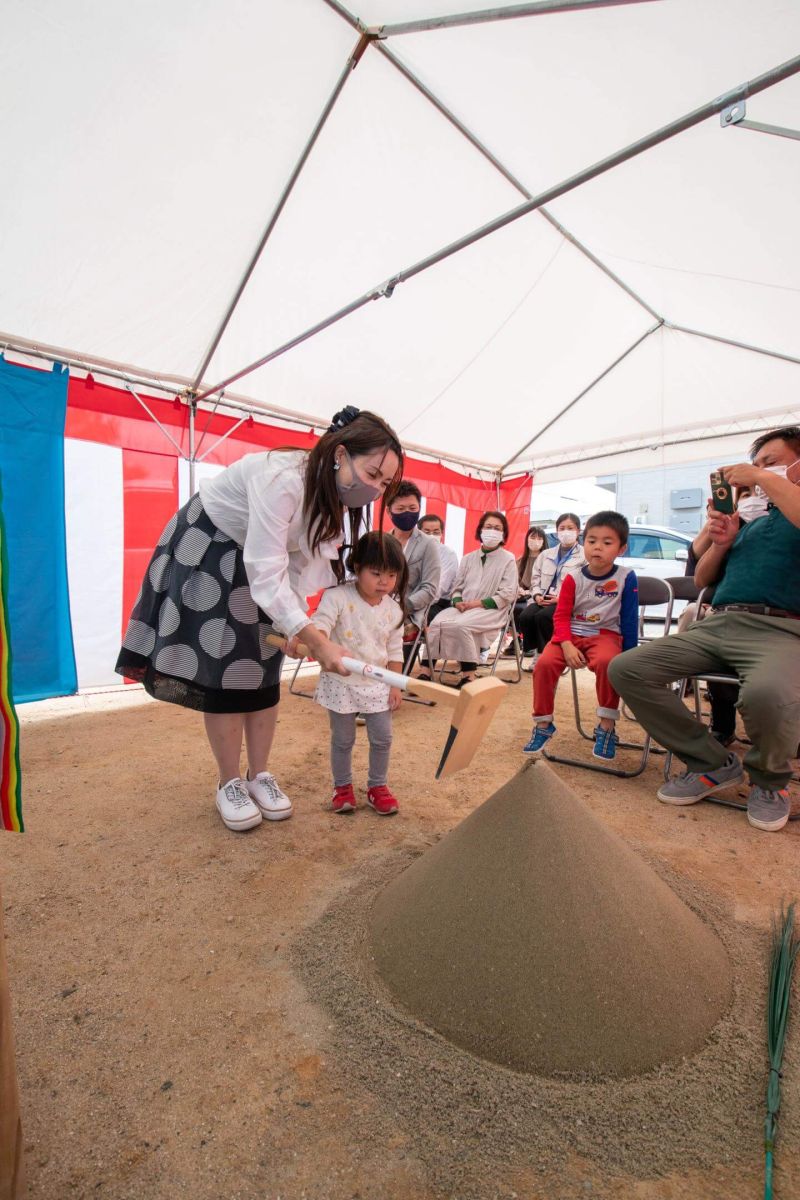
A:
[196,637]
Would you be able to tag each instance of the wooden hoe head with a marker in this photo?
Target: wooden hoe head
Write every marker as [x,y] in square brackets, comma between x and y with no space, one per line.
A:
[473,706]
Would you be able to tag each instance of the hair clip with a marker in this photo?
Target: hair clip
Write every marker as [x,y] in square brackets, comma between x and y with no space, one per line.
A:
[343,417]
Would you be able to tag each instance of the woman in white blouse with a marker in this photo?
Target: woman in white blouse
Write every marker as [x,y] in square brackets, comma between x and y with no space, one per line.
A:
[484,590]
[238,562]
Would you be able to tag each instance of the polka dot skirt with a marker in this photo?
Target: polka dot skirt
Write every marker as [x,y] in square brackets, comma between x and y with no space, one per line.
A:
[196,637]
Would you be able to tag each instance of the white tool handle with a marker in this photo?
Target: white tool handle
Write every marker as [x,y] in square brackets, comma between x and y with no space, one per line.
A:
[381,674]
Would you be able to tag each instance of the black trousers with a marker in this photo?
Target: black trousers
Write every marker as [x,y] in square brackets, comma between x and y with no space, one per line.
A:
[535,623]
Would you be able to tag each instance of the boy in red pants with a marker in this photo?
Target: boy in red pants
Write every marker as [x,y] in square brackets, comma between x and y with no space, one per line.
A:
[596,618]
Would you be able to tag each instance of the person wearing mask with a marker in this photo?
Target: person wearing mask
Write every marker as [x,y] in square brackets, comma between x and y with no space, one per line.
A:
[752,630]
[432,525]
[484,589]
[237,561]
[547,574]
[421,552]
[535,543]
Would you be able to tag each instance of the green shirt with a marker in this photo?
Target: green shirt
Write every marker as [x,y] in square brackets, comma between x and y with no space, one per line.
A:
[763,565]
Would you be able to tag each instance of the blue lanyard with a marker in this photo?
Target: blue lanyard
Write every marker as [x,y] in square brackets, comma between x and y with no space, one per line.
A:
[558,571]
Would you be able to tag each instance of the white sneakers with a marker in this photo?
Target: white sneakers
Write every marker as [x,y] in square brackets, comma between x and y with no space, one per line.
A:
[235,806]
[243,804]
[271,801]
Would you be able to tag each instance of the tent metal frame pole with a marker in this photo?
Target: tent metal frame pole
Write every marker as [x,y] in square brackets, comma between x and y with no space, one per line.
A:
[751,87]
[223,436]
[492,158]
[141,378]
[504,12]
[726,341]
[340,10]
[775,130]
[688,441]
[576,399]
[352,62]
[154,418]
[192,448]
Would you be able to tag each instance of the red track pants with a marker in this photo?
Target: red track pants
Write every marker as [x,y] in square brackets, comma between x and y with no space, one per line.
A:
[598,652]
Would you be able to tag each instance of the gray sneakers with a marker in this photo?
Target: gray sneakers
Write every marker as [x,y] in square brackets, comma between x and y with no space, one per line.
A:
[692,786]
[768,810]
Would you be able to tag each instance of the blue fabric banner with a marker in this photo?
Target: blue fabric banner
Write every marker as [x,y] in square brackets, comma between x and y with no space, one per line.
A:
[33,407]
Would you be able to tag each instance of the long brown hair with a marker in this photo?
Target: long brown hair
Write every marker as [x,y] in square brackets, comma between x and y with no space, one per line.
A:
[523,562]
[322,508]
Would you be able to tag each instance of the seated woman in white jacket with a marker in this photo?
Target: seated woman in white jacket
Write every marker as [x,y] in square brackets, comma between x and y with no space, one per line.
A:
[535,623]
[484,590]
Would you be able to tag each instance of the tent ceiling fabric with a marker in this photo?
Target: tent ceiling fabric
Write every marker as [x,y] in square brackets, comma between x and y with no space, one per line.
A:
[148,150]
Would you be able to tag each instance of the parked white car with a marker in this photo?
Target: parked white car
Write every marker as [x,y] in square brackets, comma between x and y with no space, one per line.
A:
[655,550]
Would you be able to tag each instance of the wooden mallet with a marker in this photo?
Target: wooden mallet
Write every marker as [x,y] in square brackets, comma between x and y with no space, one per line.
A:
[473,705]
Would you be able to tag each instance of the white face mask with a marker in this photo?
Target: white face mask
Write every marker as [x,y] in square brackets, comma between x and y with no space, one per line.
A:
[534,545]
[491,537]
[780,471]
[567,537]
[751,507]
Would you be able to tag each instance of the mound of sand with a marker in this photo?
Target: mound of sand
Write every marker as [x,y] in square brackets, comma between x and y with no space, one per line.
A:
[534,936]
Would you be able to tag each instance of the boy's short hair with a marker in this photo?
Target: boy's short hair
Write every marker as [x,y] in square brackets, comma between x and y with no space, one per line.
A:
[612,520]
[501,517]
[406,487]
[426,520]
[787,433]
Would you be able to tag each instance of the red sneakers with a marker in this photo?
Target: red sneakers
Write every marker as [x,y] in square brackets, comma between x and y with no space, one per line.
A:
[344,799]
[382,800]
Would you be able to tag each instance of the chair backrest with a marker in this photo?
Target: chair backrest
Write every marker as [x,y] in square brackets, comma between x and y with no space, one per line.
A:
[705,597]
[684,588]
[653,591]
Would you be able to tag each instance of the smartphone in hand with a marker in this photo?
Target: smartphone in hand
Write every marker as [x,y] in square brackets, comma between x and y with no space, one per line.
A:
[721,494]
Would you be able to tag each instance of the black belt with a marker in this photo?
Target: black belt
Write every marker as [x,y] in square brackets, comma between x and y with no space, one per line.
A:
[762,610]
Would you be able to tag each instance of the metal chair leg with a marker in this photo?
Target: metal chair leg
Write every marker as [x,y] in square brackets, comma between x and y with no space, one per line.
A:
[295,691]
[646,747]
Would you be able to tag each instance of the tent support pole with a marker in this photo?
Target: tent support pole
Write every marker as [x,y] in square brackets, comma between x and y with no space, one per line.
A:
[154,418]
[664,133]
[659,445]
[223,436]
[475,141]
[583,393]
[347,70]
[505,12]
[192,451]
[714,337]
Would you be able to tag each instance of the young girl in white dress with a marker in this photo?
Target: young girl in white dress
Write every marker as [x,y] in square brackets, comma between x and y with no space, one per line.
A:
[364,618]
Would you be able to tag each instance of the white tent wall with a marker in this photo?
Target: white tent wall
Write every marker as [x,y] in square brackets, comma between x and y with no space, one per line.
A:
[149,149]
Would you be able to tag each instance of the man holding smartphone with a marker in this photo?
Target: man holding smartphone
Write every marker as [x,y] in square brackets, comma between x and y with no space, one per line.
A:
[753,630]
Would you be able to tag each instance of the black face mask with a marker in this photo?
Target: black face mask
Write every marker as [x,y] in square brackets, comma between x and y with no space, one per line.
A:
[404,520]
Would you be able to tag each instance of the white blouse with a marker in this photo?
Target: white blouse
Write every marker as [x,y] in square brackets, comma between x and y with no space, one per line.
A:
[258,501]
[372,633]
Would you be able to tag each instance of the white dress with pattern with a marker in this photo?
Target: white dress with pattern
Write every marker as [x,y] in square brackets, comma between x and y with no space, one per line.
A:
[371,633]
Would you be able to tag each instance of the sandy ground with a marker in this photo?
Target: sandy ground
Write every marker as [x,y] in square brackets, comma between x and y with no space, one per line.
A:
[171,1042]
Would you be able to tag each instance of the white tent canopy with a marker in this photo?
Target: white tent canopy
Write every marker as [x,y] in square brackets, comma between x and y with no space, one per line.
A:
[147,145]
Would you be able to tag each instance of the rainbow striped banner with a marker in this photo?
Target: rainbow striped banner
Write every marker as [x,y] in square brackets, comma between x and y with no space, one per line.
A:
[10,776]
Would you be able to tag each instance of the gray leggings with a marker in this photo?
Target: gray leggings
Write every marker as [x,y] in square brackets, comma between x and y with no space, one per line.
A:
[343,736]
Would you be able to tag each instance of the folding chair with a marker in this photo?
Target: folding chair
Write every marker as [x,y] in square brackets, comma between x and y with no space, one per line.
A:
[411,655]
[651,591]
[703,598]
[509,626]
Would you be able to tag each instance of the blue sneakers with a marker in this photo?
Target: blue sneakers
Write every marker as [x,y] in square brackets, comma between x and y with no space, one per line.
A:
[605,743]
[540,736]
